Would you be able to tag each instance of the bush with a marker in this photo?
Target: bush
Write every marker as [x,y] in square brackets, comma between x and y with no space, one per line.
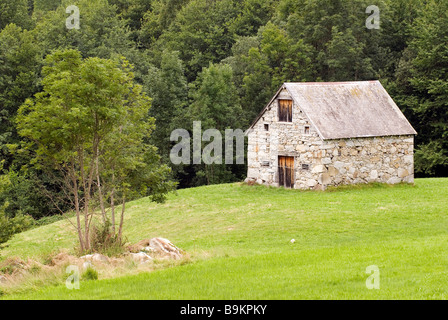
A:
[48,220]
[89,274]
[11,226]
[104,241]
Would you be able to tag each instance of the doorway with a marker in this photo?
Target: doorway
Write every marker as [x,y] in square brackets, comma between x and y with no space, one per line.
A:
[286,171]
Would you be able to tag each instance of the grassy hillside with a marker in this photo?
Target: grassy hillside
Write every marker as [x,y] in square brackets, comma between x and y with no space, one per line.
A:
[242,235]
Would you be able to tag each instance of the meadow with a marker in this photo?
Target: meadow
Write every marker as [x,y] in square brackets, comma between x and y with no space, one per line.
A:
[238,238]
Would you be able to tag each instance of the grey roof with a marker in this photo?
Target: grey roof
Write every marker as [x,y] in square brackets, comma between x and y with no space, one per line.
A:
[348,109]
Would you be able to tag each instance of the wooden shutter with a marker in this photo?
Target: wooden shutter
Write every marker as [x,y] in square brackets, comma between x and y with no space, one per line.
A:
[285,110]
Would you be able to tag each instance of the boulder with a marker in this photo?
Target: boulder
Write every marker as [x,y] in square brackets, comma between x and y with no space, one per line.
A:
[164,248]
[394,180]
[96,257]
[141,257]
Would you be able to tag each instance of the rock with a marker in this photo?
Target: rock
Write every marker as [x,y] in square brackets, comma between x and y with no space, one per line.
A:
[339,165]
[373,175]
[318,169]
[402,172]
[311,182]
[141,257]
[95,257]
[165,248]
[324,178]
[409,179]
[332,171]
[408,159]
[394,180]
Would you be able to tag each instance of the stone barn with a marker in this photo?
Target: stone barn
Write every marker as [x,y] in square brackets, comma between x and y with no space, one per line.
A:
[314,135]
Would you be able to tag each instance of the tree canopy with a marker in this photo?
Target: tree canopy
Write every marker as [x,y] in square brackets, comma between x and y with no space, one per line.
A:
[217,62]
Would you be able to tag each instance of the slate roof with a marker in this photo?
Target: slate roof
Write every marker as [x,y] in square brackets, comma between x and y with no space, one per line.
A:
[340,110]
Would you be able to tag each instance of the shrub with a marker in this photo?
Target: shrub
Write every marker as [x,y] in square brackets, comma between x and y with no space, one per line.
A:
[89,274]
[103,240]
[11,226]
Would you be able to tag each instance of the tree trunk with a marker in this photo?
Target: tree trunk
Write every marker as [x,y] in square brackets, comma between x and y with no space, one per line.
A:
[120,230]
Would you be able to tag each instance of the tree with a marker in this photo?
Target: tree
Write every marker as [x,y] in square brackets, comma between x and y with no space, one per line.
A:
[10,225]
[201,32]
[89,124]
[21,60]
[423,87]
[14,11]
[216,104]
[101,34]
[167,86]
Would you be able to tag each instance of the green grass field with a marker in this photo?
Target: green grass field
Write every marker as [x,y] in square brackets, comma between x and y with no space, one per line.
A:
[241,237]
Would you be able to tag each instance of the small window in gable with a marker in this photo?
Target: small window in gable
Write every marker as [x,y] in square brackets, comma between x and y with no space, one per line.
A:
[307,130]
[266,127]
[284,110]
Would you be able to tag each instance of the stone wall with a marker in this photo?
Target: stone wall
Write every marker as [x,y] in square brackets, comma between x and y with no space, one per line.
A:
[326,162]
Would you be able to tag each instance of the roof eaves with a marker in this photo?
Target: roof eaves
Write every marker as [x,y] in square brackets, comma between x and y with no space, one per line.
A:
[309,119]
[264,110]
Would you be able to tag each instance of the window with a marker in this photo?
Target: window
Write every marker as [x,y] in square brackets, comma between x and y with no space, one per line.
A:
[305,166]
[285,110]
[265,164]
[307,129]
[266,127]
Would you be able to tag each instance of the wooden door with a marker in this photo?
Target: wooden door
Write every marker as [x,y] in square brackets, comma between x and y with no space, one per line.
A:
[286,171]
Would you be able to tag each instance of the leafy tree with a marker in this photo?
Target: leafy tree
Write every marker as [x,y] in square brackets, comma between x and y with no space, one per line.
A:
[89,124]
[20,65]
[201,33]
[167,87]
[158,19]
[10,225]
[253,15]
[133,12]
[46,5]
[428,85]
[101,34]
[345,58]
[216,104]
[14,11]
